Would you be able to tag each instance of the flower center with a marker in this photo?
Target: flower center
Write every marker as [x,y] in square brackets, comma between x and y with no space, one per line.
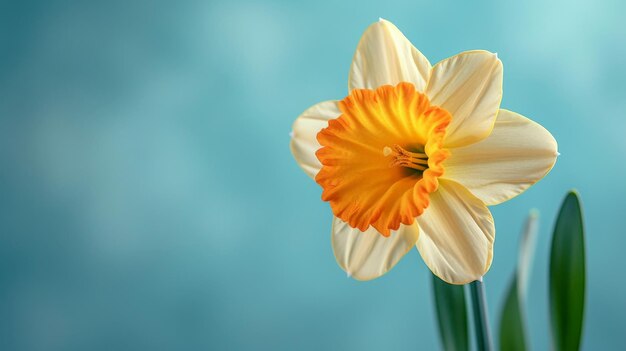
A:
[404,158]
[383,189]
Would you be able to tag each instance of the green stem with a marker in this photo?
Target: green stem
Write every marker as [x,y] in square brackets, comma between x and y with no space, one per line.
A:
[481,322]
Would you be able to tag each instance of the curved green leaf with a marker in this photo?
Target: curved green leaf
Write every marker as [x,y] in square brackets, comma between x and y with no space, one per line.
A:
[567,276]
[451,315]
[512,320]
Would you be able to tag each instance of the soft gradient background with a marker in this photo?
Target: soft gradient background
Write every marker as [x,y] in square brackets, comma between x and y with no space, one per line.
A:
[149,200]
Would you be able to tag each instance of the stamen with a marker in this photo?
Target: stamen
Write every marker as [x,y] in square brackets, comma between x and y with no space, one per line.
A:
[405,158]
[404,152]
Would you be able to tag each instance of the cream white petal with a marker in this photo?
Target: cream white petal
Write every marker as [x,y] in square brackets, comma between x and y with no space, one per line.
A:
[385,56]
[517,154]
[368,255]
[304,134]
[469,86]
[456,234]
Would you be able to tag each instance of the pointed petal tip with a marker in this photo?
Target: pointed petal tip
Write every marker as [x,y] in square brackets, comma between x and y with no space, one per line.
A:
[558,154]
[456,234]
[368,255]
[384,56]
[535,150]
[497,57]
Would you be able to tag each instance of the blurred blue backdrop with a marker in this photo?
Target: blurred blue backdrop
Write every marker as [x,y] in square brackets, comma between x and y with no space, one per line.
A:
[149,200]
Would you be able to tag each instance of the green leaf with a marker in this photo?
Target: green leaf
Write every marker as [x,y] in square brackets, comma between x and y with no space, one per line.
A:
[512,320]
[567,276]
[451,315]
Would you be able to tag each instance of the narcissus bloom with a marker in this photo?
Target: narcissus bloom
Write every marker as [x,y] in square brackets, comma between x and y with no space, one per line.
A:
[414,155]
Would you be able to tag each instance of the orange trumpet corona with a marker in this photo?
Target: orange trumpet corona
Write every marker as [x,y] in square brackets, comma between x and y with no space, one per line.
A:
[382,156]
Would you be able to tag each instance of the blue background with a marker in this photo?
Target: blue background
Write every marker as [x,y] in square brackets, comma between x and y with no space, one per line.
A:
[149,200]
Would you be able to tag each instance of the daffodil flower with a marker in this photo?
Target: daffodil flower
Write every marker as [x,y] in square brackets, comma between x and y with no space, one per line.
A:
[414,155]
